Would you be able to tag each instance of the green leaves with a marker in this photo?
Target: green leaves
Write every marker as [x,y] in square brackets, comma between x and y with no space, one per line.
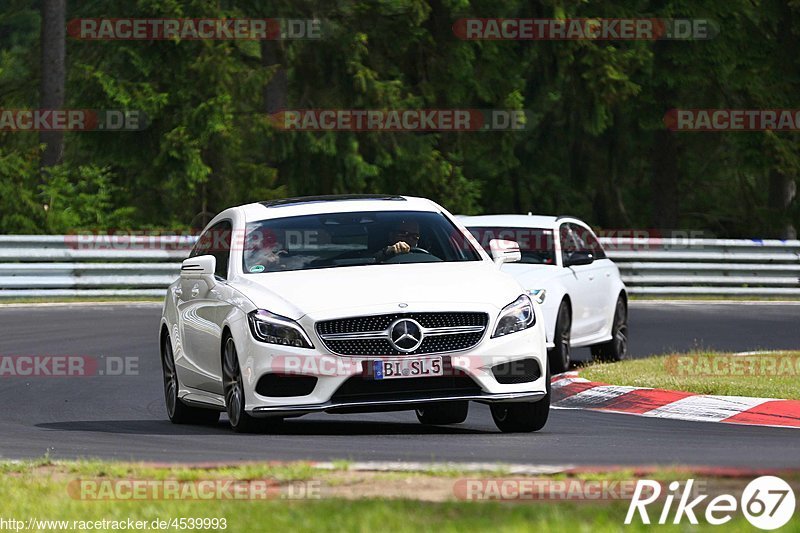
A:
[595,111]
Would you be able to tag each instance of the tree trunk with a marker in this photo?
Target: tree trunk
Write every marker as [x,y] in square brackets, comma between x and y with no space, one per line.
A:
[664,180]
[53,42]
[276,91]
[782,192]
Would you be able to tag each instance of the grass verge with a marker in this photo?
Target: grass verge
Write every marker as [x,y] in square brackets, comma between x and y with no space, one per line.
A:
[768,375]
[347,500]
[714,297]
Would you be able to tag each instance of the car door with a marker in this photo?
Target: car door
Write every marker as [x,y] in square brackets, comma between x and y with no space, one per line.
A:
[599,274]
[578,282]
[201,310]
[607,275]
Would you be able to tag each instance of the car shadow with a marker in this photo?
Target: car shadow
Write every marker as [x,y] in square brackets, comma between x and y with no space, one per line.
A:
[289,427]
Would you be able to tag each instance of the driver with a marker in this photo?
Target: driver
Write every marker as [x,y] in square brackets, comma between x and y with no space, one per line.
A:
[405,237]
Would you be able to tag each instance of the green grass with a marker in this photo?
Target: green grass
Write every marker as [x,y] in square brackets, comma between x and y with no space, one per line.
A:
[38,489]
[697,372]
[710,297]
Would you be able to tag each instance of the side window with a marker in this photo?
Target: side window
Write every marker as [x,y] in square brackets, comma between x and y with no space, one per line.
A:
[569,243]
[579,235]
[202,245]
[593,244]
[216,241]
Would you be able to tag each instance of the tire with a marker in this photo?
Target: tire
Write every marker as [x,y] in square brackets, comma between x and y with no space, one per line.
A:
[440,414]
[559,356]
[617,348]
[522,417]
[233,387]
[179,412]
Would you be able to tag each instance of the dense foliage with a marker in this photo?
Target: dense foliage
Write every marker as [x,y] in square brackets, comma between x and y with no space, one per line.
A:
[596,145]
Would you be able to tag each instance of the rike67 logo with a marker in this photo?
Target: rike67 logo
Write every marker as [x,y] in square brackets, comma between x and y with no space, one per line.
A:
[767,502]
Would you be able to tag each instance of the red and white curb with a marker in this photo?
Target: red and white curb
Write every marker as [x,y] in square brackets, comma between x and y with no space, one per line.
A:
[571,391]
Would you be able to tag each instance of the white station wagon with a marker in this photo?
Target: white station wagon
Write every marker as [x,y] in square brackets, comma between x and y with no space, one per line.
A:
[564,265]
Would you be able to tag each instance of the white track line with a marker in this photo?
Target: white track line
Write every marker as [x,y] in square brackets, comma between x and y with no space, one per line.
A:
[410,466]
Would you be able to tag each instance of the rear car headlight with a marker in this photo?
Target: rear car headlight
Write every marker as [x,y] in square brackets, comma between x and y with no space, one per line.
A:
[275,329]
[515,317]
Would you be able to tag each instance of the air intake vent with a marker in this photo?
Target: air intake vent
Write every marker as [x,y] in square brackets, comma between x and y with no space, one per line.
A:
[522,371]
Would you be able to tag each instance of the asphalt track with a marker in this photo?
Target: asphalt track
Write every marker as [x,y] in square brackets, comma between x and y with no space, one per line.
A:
[123,417]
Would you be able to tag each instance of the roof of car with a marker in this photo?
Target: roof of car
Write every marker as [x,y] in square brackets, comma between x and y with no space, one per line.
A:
[282,202]
[511,221]
[307,205]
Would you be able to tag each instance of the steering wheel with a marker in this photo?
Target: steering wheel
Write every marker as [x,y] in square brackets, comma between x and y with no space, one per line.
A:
[417,250]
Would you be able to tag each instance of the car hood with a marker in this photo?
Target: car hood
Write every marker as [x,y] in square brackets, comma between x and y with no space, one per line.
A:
[354,290]
[532,276]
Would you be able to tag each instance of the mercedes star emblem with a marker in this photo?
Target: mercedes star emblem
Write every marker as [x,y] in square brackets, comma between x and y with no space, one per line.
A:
[406,335]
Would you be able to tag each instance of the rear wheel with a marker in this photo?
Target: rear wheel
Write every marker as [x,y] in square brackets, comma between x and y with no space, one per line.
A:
[179,412]
[559,355]
[233,387]
[522,417]
[617,348]
[439,414]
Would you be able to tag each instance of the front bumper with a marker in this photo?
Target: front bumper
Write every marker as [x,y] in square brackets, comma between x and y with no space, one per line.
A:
[387,404]
[333,371]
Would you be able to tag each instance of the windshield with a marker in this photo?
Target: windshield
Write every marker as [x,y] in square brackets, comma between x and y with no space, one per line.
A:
[535,244]
[353,239]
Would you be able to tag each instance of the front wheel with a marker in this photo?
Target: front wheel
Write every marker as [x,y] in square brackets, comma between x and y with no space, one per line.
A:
[559,355]
[233,387]
[440,414]
[179,412]
[617,348]
[522,417]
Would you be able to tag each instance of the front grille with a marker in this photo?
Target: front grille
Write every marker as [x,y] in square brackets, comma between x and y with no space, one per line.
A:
[381,322]
[379,345]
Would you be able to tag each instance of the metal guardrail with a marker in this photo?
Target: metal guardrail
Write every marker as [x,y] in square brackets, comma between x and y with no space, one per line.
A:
[707,266]
[65,266]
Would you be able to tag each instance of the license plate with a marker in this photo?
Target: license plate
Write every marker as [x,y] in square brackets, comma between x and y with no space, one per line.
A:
[408,368]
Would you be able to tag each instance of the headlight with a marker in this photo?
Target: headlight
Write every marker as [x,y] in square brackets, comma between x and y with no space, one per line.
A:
[275,329]
[515,317]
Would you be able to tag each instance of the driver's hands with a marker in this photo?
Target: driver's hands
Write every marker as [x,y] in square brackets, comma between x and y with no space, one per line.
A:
[399,248]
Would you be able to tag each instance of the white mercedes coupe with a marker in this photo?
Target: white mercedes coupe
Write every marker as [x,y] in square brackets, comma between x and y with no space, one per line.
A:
[350,304]
[563,264]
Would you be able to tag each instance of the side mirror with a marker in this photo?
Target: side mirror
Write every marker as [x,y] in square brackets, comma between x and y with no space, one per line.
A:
[504,251]
[579,258]
[200,267]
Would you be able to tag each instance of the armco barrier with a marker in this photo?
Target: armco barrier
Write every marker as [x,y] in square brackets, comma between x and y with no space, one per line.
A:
[707,266]
[59,266]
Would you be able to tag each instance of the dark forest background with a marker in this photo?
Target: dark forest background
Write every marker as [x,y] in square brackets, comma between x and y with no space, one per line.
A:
[596,146]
